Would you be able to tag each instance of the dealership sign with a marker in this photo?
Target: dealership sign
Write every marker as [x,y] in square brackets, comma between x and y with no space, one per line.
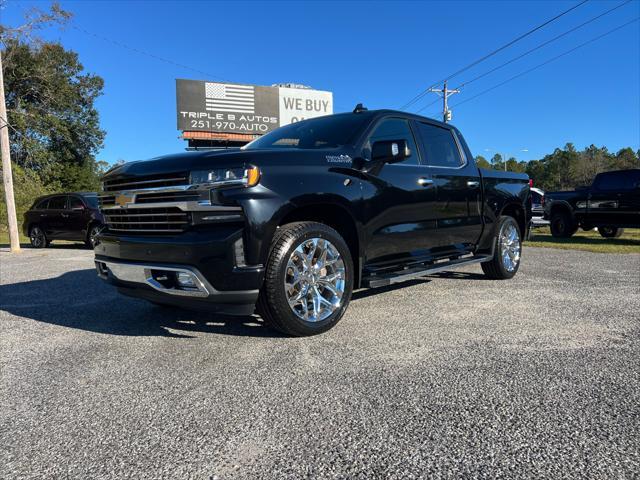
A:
[251,109]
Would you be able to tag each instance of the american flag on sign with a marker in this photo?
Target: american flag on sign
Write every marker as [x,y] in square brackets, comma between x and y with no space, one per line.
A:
[222,97]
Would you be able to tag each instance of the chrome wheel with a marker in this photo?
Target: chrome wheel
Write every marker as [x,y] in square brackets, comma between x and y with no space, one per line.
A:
[37,237]
[314,280]
[509,244]
[95,231]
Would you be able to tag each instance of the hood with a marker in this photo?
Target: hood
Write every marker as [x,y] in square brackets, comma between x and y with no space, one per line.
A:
[202,160]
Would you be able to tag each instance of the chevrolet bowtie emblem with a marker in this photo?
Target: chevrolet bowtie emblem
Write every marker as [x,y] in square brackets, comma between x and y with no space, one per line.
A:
[122,199]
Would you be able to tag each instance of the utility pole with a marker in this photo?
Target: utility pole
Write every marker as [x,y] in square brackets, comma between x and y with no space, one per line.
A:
[446,113]
[6,169]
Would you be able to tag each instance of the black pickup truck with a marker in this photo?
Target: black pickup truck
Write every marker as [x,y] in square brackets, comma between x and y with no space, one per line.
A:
[293,222]
[611,204]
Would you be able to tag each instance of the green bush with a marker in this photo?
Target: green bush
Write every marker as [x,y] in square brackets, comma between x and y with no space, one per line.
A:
[27,186]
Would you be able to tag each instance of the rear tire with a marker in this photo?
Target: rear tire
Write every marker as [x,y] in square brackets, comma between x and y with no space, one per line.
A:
[562,225]
[308,279]
[38,238]
[92,235]
[610,232]
[507,248]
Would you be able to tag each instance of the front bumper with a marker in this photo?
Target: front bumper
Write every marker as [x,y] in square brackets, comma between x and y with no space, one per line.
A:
[211,262]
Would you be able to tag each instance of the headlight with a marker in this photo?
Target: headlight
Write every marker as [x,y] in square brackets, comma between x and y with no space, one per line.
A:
[246,177]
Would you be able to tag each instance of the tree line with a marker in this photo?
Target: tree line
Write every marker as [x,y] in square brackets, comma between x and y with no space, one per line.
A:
[566,168]
[54,126]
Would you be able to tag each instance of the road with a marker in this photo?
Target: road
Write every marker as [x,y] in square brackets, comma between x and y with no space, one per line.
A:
[451,376]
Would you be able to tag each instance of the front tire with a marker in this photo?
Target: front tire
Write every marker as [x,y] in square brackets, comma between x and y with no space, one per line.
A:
[562,225]
[38,238]
[308,279]
[610,232]
[507,249]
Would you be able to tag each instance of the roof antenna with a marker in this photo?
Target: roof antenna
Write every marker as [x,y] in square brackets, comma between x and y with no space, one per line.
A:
[360,108]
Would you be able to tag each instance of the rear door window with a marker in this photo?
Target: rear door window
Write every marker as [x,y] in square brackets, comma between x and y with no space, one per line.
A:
[440,148]
[615,181]
[58,203]
[75,202]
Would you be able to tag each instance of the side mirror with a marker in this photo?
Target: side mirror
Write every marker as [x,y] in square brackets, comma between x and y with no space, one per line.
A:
[390,151]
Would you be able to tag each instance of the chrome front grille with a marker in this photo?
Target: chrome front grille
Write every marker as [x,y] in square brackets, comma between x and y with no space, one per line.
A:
[160,204]
[148,181]
[147,220]
[186,196]
[107,200]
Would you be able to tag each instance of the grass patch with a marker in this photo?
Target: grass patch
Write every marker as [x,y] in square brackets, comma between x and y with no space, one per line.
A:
[4,239]
[590,241]
[24,241]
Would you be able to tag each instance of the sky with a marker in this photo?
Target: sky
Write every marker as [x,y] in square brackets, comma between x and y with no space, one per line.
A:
[381,54]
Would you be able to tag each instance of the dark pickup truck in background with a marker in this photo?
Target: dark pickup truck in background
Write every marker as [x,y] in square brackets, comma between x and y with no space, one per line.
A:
[611,204]
[299,218]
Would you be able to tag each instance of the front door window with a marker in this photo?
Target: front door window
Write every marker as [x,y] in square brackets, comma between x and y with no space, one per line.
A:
[393,129]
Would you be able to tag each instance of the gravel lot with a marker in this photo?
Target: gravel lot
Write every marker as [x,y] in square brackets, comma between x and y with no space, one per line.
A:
[454,376]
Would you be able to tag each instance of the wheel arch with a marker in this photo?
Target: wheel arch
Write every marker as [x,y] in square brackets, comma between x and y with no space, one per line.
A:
[92,222]
[516,211]
[560,206]
[29,226]
[334,215]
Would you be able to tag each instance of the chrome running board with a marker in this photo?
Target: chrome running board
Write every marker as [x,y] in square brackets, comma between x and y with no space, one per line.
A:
[388,278]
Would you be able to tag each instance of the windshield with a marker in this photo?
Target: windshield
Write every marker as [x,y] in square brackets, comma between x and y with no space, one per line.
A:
[332,131]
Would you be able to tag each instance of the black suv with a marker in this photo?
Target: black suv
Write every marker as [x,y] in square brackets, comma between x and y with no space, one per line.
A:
[300,217]
[67,216]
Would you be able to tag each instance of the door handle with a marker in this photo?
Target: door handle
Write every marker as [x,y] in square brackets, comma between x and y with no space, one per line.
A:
[425,182]
[43,215]
[473,183]
[64,215]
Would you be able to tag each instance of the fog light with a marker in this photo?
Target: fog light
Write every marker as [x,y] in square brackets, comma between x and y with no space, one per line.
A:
[186,280]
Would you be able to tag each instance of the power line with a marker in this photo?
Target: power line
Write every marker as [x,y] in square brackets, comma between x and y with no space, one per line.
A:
[427,106]
[151,55]
[141,52]
[543,44]
[548,61]
[7,124]
[491,54]
[531,51]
